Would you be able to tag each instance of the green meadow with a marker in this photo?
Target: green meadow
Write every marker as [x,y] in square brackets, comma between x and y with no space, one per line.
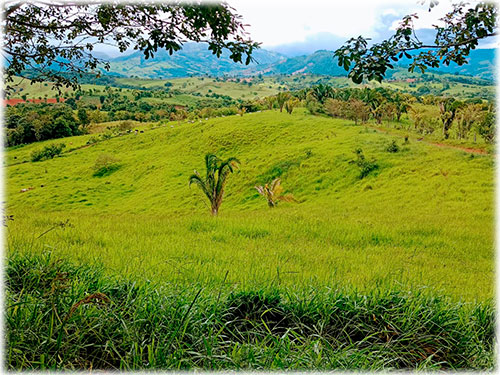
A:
[423,220]
[114,262]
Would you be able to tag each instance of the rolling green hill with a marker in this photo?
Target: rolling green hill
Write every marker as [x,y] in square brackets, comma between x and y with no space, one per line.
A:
[481,63]
[192,59]
[422,219]
[195,59]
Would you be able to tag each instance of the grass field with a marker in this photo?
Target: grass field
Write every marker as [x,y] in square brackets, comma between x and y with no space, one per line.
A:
[191,88]
[127,270]
[424,219]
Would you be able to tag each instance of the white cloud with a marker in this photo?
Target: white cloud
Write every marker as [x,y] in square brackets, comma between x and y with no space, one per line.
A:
[275,22]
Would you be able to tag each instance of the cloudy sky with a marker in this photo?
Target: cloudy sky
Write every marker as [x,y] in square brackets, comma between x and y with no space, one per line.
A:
[295,27]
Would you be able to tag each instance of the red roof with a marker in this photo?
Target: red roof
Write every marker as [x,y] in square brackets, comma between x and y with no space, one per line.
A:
[12,102]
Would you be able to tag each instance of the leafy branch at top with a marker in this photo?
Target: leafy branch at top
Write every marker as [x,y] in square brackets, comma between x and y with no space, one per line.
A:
[55,40]
[463,28]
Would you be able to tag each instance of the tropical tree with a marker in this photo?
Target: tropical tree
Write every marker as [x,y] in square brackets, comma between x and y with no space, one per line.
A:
[83,117]
[486,127]
[357,110]
[467,116]
[273,193]
[448,108]
[290,104]
[217,172]
[387,111]
[335,107]
[281,98]
[312,104]
[373,99]
[270,100]
[418,117]
[402,104]
[322,92]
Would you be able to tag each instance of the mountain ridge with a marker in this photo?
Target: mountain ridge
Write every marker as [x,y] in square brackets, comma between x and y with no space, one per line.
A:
[194,60]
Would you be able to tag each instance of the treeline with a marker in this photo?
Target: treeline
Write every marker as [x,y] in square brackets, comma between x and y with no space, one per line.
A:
[27,123]
[454,118]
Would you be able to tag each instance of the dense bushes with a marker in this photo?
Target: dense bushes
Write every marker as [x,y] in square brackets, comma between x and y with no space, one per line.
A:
[62,316]
[48,152]
[27,123]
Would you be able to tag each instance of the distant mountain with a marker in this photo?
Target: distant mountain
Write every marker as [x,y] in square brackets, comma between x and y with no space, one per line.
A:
[320,62]
[196,59]
[193,59]
[481,63]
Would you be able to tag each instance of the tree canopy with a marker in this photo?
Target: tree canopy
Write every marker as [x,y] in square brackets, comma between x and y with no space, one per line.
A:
[54,40]
[463,27]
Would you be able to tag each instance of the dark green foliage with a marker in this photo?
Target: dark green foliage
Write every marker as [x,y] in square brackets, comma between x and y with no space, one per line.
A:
[65,317]
[393,147]
[365,166]
[83,117]
[29,123]
[486,127]
[250,315]
[33,35]
[48,152]
[459,33]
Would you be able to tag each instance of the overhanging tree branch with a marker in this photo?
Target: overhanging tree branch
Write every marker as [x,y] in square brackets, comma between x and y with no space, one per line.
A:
[56,37]
[463,28]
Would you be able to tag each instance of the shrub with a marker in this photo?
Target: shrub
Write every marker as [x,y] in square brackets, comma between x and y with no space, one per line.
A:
[365,166]
[92,140]
[125,125]
[48,152]
[393,147]
[107,135]
[105,165]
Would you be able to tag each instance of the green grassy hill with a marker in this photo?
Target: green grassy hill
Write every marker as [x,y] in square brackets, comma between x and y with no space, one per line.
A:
[423,219]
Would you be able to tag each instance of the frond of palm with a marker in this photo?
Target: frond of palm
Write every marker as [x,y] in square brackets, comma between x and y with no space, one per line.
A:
[197,180]
[287,198]
[273,192]
[275,187]
[216,177]
[223,171]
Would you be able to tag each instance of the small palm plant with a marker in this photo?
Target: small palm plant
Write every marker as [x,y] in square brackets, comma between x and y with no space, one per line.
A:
[215,181]
[273,193]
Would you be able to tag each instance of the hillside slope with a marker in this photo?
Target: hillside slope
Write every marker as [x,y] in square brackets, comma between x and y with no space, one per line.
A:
[195,59]
[423,218]
[192,59]
[481,64]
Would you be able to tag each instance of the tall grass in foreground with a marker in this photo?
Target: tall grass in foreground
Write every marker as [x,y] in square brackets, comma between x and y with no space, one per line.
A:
[62,316]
